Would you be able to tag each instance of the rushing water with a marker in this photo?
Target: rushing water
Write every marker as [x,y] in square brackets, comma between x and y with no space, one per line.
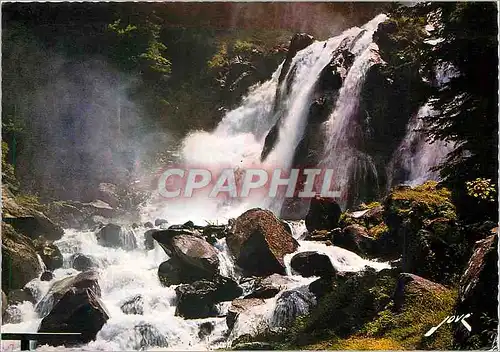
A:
[126,274]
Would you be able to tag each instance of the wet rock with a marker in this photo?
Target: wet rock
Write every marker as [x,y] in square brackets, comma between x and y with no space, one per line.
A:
[79,283]
[113,235]
[27,221]
[312,264]
[259,234]
[108,192]
[269,287]
[239,306]
[149,225]
[196,252]
[149,240]
[19,259]
[146,336]
[20,296]
[197,300]
[323,214]
[477,295]
[321,286]
[12,315]
[253,346]
[134,305]
[46,276]
[189,248]
[292,304]
[82,262]
[206,329]
[50,254]
[165,237]
[78,310]
[170,273]
[355,238]
[298,42]
[160,222]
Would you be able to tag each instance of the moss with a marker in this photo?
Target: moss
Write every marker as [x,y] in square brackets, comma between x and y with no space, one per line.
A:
[30,201]
[360,343]
[422,310]
[371,205]
[378,230]
[427,200]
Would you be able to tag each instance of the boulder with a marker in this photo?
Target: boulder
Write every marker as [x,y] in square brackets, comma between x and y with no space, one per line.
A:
[309,264]
[78,310]
[239,306]
[82,262]
[50,254]
[27,221]
[290,305]
[147,336]
[259,234]
[323,214]
[355,238]
[268,287]
[47,276]
[196,252]
[170,273]
[160,222]
[20,296]
[148,225]
[197,300]
[477,295]
[134,305]
[165,237]
[20,263]
[78,283]
[409,284]
[12,315]
[113,235]
[321,286]
[206,329]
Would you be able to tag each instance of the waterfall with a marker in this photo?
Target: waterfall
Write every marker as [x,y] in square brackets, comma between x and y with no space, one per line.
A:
[238,142]
[416,156]
[340,152]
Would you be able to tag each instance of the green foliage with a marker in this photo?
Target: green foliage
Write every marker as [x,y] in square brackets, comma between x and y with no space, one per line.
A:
[482,189]
[8,172]
[427,201]
[468,102]
[138,46]
[220,58]
[241,47]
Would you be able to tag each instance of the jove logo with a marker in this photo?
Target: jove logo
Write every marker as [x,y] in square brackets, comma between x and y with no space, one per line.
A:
[449,320]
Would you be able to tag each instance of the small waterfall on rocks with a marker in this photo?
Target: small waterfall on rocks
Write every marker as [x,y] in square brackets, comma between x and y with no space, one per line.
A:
[416,156]
[129,276]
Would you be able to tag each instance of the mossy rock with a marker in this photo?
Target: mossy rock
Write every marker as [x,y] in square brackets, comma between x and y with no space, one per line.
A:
[19,260]
[418,306]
